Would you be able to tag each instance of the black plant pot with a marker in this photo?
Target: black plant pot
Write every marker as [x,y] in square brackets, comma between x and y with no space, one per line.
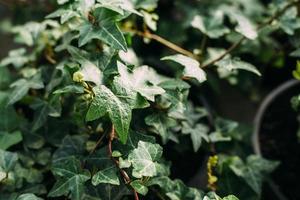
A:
[275,137]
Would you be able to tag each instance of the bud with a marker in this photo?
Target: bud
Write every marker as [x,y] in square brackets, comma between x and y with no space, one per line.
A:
[78,76]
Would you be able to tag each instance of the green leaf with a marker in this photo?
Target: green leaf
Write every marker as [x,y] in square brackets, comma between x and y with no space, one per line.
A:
[295,53]
[139,187]
[104,29]
[140,80]
[43,109]
[289,21]
[7,160]
[121,7]
[70,89]
[70,178]
[28,196]
[16,57]
[230,197]
[143,159]
[22,86]
[229,64]
[60,2]
[212,26]
[161,125]
[244,25]
[105,102]
[175,189]
[9,139]
[108,175]
[253,171]
[191,66]
[198,133]
[89,70]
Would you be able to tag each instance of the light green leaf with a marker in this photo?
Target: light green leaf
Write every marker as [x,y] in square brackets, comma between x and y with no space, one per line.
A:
[289,21]
[230,197]
[229,65]
[105,30]
[16,57]
[8,160]
[28,196]
[60,2]
[120,6]
[139,80]
[107,175]
[139,187]
[212,26]
[244,25]
[89,70]
[191,66]
[70,89]
[198,133]
[143,159]
[21,87]
[9,139]
[161,125]
[106,102]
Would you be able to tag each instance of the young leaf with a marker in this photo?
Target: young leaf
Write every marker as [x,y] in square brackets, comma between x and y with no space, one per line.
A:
[139,187]
[191,66]
[143,159]
[106,102]
[108,175]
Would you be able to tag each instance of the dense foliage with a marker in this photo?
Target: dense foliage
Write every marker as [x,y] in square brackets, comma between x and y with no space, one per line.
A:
[84,117]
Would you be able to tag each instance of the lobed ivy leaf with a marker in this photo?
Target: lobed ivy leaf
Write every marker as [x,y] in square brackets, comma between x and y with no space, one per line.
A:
[71,178]
[8,160]
[229,65]
[253,170]
[198,133]
[212,26]
[105,102]
[104,29]
[22,86]
[191,66]
[107,175]
[175,189]
[143,159]
[139,80]
[161,125]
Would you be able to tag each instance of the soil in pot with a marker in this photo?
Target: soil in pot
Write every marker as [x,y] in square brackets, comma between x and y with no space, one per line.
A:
[278,141]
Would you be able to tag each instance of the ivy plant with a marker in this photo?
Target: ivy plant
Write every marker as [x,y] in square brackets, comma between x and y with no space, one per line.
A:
[98,92]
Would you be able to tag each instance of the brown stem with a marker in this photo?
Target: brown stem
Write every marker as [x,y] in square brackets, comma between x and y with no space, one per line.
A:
[163,41]
[98,143]
[123,172]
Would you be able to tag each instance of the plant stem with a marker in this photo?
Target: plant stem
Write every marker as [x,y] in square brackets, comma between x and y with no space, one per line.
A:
[123,172]
[98,143]
[163,41]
